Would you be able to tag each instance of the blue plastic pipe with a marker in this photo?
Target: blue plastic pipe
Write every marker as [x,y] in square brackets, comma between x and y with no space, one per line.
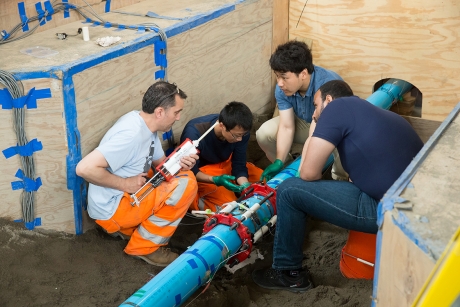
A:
[196,266]
[389,92]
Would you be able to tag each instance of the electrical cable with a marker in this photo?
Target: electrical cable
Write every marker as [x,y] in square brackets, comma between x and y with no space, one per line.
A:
[17,90]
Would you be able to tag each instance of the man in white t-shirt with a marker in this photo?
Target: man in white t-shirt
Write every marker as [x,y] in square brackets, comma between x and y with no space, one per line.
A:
[118,167]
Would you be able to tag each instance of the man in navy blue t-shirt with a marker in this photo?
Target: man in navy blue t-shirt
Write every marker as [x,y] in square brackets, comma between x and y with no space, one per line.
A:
[222,168]
[375,147]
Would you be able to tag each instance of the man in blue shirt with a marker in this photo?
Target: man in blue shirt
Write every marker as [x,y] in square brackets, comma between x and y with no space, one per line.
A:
[297,81]
[222,169]
[375,147]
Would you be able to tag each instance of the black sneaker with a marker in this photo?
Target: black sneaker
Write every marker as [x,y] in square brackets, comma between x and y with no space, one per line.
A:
[294,281]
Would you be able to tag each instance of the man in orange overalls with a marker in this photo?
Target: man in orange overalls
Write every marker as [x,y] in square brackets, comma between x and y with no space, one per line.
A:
[118,166]
[222,168]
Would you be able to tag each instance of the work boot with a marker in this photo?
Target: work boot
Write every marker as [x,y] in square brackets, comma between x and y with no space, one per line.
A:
[161,257]
[290,280]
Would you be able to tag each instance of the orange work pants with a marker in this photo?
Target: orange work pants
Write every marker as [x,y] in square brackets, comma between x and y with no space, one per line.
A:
[154,221]
[213,197]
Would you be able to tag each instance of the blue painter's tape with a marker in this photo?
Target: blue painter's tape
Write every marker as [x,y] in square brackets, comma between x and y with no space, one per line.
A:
[217,243]
[178,299]
[121,28]
[41,13]
[133,27]
[36,222]
[167,135]
[23,16]
[30,100]
[107,25]
[140,30]
[25,150]
[88,20]
[195,253]
[96,23]
[74,183]
[160,74]
[107,6]
[27,184]
[192,263]
[66,8]
[213,268]
[5,35]
[30,225]
[49,9]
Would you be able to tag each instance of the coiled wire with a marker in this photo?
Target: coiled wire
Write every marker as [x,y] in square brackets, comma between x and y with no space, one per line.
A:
[16,90]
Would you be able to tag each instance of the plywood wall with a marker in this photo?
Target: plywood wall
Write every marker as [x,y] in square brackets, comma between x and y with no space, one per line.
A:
[9,14]
[54,202]
[366,41]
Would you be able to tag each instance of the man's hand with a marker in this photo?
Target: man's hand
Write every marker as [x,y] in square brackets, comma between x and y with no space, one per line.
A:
[244,186]
[226,181]
[133,184]
[272,170]
[188,162]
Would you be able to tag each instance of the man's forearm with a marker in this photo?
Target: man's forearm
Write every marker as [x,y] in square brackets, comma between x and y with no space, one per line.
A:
[284,140]
[102,177]
[202,177]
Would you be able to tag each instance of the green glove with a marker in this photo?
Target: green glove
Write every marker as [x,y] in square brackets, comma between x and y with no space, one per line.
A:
[272,170]
[244,186]
[226,181]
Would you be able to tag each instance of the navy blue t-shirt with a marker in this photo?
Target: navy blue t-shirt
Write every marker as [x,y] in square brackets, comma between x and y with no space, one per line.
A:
[212,150]
[375,145]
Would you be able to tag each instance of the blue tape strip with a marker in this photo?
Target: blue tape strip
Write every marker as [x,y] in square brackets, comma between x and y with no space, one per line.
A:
[107,6]
[27,184]
[195,253]
[192,264]
[74,183]
[23,16]
[178,299]
[160,58]
[50,10]
[121,28]
[41,13]
[377,267]
[167,135]
[107,25]
[25,150]
[88,20]
[31,225]
[66,8]
[5,35]
[160,74]
[96,23]
[30,100]
[140,30]
[215,242]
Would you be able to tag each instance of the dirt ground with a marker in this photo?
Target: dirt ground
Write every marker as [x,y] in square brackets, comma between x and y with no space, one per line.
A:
[42,268]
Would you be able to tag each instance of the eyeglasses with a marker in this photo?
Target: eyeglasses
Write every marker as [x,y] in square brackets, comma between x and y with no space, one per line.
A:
[236,137]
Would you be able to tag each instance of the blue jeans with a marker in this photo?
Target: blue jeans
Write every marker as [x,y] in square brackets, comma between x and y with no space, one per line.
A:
[338,202]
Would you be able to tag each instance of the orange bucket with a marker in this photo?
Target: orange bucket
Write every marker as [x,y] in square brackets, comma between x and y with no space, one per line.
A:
[358,255]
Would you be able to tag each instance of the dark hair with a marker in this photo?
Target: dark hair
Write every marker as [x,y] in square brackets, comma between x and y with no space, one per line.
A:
[335,88]
[236,114]
[293,56]
[161,94]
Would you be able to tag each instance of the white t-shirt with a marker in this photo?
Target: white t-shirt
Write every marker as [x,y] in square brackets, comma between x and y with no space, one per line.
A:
[129,148]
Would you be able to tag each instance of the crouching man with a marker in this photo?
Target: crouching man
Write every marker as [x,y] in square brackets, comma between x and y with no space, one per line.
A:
[118,167]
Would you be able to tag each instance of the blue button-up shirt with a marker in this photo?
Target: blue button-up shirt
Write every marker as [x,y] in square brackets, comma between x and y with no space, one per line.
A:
[303,106]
